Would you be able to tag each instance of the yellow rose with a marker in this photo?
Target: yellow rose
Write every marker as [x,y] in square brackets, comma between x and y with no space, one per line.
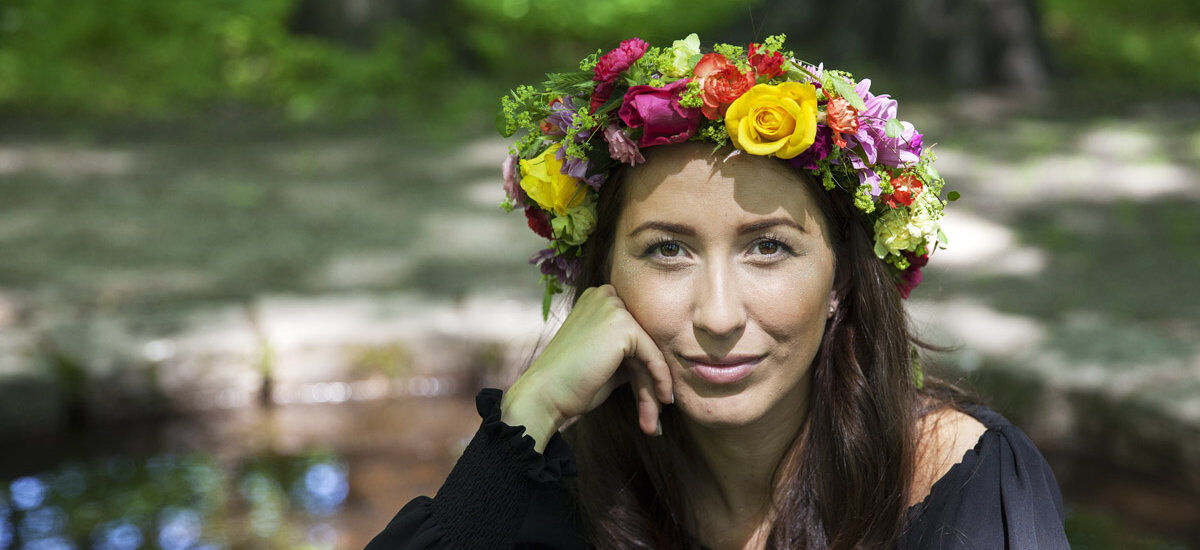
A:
[543,180]
[776,119]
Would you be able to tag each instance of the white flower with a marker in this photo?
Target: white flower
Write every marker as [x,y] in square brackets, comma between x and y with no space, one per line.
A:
[907,228]
[684,50]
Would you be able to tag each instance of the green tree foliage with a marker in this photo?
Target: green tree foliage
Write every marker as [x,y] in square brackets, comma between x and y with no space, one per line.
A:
[151,57]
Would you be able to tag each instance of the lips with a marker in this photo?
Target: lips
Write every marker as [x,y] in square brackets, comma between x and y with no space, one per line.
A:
[726,370]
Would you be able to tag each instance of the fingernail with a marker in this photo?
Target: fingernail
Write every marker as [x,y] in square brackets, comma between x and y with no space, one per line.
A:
[672,398]
[658,430]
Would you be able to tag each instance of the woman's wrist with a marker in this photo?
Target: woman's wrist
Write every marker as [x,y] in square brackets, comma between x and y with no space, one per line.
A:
[517,408]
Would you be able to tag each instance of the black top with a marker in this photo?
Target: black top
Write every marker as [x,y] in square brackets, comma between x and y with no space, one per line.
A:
[503,494]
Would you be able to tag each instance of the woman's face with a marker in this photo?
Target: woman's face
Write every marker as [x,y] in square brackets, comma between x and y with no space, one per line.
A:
[725,262]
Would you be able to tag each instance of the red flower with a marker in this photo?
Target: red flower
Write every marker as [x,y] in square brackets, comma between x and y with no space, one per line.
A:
[538,221]
[722,82]
[613,63]
[610,66]
[911,277]
[769,65]
[841,118]
[906,188]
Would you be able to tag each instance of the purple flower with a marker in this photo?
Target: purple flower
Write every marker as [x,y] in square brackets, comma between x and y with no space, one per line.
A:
[578,169]
[820,148]
[658,112]
[561,120]
[867,176]
[512,185]
[900,151]
[872,136]
[552,263]
[620,147]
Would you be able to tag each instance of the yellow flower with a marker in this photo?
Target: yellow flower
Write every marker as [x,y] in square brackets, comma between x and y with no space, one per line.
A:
[776,119]
[543,180]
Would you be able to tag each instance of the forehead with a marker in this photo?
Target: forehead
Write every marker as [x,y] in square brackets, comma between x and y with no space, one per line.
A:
[688,182]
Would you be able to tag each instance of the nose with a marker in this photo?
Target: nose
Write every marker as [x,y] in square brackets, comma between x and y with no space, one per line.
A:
[719,310]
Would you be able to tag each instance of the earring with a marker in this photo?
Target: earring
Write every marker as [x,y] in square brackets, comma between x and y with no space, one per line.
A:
[832,308]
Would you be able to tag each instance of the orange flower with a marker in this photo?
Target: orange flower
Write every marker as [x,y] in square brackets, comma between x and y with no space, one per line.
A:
[841,118]
[722,82]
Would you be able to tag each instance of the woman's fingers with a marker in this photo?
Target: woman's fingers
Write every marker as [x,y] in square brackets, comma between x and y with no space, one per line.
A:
[645,351]
[647,405]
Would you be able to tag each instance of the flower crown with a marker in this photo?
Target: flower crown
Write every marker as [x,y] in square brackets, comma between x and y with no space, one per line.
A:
[581,124]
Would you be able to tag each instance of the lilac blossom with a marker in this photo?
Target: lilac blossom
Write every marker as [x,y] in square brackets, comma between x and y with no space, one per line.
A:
[553,263]
[578,169]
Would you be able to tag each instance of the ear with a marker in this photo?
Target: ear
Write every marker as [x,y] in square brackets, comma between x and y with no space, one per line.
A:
[833,305]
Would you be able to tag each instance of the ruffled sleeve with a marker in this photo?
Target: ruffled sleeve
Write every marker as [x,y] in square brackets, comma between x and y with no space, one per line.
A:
[1002,495]
[485,500]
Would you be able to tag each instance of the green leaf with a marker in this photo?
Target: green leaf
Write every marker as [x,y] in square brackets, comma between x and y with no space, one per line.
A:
[953,196]
[893,129]
[546,300]
[845,90]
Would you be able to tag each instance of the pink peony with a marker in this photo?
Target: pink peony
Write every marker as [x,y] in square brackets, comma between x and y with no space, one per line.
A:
[658,112]
[613,63]
[610,66]
[620,147]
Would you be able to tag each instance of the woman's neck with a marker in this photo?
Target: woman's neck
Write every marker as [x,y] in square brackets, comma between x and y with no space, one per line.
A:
[737,464]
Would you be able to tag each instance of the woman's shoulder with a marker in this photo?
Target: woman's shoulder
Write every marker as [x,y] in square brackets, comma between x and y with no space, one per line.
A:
[946,438]
[985,483]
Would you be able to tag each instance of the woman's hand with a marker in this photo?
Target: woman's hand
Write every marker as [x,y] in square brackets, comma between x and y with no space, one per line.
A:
[599,347]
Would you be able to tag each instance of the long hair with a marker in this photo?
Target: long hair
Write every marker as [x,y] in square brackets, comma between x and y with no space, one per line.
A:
[846,479]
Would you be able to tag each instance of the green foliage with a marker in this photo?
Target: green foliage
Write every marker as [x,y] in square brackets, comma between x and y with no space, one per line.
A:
[166,58]
[1152,45]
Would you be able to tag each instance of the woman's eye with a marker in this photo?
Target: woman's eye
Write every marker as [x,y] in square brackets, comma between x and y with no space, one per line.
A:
[768,247]
[669,250]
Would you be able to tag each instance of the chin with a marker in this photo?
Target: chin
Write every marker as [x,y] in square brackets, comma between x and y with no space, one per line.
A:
[719,411]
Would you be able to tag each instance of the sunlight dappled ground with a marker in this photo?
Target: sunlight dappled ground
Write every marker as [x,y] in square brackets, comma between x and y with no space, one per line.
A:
[152,270]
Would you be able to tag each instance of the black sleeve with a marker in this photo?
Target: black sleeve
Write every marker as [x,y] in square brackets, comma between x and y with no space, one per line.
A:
[1002,496]
[485,500]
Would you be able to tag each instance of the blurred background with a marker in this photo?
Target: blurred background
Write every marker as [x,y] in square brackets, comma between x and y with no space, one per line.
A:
[253,269]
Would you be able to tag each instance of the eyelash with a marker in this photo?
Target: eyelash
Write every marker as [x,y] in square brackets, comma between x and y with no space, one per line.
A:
[658,242]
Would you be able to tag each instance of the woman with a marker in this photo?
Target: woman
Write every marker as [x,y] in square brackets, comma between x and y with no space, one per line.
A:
[736,370]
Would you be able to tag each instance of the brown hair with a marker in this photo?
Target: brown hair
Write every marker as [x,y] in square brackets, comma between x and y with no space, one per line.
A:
[846,479]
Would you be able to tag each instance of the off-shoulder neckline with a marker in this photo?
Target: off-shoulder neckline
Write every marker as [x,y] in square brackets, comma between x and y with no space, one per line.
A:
[993,422]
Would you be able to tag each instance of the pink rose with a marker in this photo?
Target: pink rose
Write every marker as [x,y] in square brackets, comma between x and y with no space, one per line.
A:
[658,112]
[620,147]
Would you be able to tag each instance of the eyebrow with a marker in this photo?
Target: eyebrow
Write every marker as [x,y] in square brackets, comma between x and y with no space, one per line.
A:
[751,227]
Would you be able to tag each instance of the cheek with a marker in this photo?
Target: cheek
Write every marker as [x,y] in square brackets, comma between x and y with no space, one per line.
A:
[791,307]
[657,302]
